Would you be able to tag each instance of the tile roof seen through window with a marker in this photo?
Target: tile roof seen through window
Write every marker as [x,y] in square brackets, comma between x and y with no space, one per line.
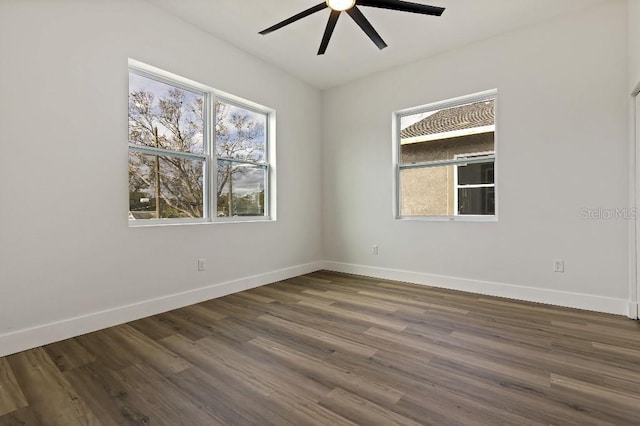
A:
[453,119]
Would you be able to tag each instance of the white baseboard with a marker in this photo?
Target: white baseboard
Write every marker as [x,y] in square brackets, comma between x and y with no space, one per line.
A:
[531,294]
[20,340]
[634,310]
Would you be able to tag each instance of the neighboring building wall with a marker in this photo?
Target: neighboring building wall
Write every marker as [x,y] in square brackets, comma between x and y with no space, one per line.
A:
[430,191]
[446,149]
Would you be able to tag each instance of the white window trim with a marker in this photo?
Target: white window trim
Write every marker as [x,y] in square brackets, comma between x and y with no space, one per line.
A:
[209,156]
[396,128]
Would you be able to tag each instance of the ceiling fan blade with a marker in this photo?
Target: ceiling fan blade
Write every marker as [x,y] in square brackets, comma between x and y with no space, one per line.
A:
[403,6]
[295,18]
[331,25]
[366,26]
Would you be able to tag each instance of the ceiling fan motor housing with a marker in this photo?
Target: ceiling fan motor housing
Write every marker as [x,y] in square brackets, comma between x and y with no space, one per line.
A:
[341,5]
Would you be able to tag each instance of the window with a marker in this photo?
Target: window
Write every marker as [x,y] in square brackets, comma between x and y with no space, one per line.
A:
[446,154]
[194,155]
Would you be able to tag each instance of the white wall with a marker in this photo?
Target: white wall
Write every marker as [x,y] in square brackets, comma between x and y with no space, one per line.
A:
[634,84]
[634,43]
[65,246]
[562,135]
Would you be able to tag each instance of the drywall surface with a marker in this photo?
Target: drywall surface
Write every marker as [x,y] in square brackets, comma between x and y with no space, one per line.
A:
[562,148]
[66,250]
[634,43]
[634,86]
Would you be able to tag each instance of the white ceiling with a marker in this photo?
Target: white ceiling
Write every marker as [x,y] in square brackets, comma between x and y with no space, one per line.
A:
[351,54]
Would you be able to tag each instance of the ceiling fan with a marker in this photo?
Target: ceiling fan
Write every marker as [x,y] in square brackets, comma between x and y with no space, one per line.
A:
[351,7]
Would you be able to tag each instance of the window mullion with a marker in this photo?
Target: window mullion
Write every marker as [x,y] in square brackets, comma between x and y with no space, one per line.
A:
[166,152]
[454,162]
[478,185]
[213,158]
[249,162]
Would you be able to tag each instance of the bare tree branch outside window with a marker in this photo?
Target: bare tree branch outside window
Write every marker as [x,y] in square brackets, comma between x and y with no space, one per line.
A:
[165,184]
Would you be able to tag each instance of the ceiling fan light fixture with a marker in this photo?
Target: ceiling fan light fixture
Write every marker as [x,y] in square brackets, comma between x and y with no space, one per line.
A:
[352,7]
[341,5]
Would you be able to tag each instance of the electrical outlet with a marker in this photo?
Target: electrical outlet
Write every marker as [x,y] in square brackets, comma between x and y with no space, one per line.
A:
[374,249]
[558,265]
[200,264]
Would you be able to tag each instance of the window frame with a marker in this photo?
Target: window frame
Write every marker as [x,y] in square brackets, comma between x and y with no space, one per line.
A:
[398,166]
[209,155]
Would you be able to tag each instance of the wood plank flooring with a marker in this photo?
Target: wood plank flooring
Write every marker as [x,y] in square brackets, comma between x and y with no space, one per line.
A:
[335,349]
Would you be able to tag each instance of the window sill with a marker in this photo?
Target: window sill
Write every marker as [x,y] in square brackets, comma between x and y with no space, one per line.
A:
[465,218]
[170,222]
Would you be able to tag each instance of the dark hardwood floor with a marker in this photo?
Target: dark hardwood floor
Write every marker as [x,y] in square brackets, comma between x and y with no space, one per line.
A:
[334,349]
